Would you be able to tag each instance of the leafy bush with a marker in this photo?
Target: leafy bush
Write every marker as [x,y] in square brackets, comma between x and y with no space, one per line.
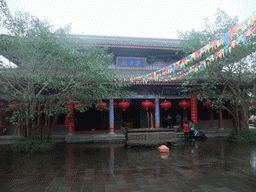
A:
[244,136]
[33,144]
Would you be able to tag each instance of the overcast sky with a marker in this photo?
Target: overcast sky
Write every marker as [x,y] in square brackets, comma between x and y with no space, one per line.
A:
[133,18]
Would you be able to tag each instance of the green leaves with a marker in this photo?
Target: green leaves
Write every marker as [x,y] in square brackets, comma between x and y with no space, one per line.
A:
[228,79]
[51,70]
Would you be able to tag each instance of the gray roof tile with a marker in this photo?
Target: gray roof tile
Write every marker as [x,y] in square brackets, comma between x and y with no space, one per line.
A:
[128,41]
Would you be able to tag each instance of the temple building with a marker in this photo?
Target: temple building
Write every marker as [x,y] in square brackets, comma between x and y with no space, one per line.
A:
[155,104]
[134,57]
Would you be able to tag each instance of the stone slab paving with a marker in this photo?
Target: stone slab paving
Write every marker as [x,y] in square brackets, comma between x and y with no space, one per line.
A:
[213,165]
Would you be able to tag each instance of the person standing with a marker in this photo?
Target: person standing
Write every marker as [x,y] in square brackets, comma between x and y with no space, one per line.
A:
[191,130]
[169,120]
[185,130]
[178,120]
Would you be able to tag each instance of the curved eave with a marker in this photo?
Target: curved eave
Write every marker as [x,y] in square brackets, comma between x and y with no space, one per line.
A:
[140,47]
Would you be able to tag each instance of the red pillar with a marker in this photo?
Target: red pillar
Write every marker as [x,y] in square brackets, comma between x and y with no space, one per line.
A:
[220,119]
[69,119]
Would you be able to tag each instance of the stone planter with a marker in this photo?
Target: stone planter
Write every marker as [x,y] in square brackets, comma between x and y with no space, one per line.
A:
[150,137]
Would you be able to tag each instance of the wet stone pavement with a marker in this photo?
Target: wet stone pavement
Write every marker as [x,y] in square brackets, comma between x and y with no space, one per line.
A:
[213,165]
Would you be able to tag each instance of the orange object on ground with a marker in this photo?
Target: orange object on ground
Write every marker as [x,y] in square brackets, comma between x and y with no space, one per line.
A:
[163,149]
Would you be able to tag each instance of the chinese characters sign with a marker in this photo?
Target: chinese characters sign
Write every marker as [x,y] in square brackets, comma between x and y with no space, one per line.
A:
[193,98]
[131,63]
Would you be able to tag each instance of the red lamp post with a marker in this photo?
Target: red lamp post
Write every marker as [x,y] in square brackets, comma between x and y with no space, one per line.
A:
[102,105]
[184,104]
[146,104]
[165,105]
[124,105]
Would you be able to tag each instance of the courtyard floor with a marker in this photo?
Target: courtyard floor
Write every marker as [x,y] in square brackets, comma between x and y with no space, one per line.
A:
[213,165]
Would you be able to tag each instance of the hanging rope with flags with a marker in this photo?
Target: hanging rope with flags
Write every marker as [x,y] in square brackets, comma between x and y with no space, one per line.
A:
[181,68]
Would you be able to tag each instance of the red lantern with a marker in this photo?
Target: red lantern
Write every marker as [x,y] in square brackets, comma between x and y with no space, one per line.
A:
[124,105]
[69,120]
[102,105]
[207,104]
[165,105]
[146,104]
[254,104]
[13,106]
[184,104]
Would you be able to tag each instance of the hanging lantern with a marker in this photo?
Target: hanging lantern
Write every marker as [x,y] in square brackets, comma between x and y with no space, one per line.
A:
[207,104]
[102,105]
[254,104]
[146,104]
[124,105]
[39,107]
[184,104]
[165,105]
[13,106]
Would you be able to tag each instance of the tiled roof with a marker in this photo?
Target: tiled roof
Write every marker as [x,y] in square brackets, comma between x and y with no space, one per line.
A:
[130,73]
[124,41]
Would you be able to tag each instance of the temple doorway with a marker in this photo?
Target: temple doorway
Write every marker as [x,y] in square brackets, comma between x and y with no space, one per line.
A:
[91,120]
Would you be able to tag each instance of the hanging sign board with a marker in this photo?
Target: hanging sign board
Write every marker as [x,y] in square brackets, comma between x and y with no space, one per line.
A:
[131,62]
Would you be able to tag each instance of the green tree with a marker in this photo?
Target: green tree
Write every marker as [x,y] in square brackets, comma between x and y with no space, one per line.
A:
[51,72]
[228,82]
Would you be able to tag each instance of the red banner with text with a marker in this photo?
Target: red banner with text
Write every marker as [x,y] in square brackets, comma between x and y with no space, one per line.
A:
[193,98]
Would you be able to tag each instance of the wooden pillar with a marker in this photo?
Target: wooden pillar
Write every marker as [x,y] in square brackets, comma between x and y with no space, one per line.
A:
[69,119]
[111,116]
[220,119]
[151,118]
[157,112]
